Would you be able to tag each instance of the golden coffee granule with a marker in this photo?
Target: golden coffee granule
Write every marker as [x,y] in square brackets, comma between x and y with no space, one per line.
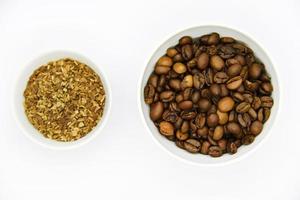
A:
[64,99]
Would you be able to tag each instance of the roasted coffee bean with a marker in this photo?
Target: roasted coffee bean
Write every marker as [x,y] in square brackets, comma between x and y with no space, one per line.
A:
[185,105]
[226,52]
[171,52]
[203,61]
[235,129]
[223,117]
[226,104]
[234,83]
[255,70]
[256,128]
[170,116]
[209,95]
[205,147]
[212,120]
[227,40]
[215,89]
[266,88]
[185,127]
[179,68]
[181,135]
[200,121]
[187,52]
[218,133]
[204,105]
[199,80]
[195,97]
[187,82]
[185,40]
[243,107]
[175,84]
[217,63]
[231,148]
[156,110]
[248,139]
[215,151]
[234,70]
[192,145]
[266,101]
[149,93]
[166,128]
[167,96]
[188,115]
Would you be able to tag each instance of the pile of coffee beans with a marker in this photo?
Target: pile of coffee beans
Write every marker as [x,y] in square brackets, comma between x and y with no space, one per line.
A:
[209,95]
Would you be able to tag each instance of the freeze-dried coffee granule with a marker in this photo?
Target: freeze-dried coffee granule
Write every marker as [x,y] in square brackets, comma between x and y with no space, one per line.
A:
[64,99]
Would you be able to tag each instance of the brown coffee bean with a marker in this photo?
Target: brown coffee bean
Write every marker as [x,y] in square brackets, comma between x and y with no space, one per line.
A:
[234,70]
[220,77]
[224,90]
[231,116]
[156,110]
[266,88]
[256,128]
[267,113]
[167,96]
[223,117]
[185,126]
[204,105]
[203,61]
[260,115]
[241,59]
[170,116]
[178,58]
[185,40]
[187,93]
[222,144]
[187,82]
[213,39]
[256,103]
[205,147]
[175,84]
[231,61]
[179,98]
[171,52]
[248,139]
[196,97]
[200,121]
[217,63]
[181,135]
[218,133]
[234,83]
[231,148]
[212,120]
[187,52]
[215,151]
[179,68]
[227,40]
[213,109]
[166,128]
[165,61]
[199,80]
[185,105]
[238,97]
[188,115]
[153,80]
[160,69]
[149,93]
[215,89]
[255,70]
[266,101]
[226,51]
[225,104]
[243,107]
[235,129]
[192,145]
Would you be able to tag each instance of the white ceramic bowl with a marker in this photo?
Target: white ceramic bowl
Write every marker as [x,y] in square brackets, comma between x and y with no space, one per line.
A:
[21,118]
[170,146]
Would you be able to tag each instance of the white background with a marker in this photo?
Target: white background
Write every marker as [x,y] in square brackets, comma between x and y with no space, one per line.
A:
[123,161]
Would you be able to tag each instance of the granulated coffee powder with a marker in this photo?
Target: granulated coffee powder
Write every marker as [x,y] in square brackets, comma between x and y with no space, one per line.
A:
[64,99]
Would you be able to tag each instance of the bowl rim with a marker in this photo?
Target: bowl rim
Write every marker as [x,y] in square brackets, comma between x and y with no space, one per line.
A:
[140,92]
[64,54]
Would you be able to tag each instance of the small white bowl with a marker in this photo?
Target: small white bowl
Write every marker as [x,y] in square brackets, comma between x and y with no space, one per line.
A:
[170,146]
[18,109]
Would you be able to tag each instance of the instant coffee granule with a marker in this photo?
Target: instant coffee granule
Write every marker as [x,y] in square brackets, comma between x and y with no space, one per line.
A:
[64,99]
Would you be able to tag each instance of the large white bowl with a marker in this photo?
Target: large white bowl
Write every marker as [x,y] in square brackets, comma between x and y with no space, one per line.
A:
[18,109]
[170,146]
